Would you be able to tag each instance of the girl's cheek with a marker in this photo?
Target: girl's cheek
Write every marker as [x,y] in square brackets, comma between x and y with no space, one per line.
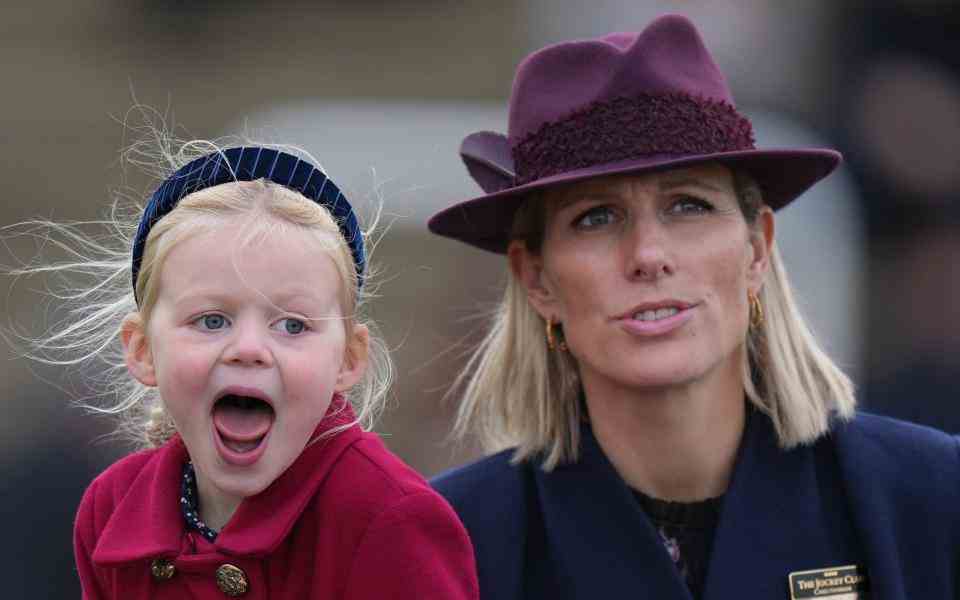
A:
[188,368]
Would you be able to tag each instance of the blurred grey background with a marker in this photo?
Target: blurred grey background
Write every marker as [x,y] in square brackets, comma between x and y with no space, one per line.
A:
[382,92]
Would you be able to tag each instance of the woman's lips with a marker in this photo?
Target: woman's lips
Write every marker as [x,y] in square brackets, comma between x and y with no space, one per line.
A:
[651,323]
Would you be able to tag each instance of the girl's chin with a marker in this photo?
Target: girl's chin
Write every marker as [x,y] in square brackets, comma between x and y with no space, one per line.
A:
[242,487]
[245,482]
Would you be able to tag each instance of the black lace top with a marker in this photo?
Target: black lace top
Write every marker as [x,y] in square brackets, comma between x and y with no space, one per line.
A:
[687,531]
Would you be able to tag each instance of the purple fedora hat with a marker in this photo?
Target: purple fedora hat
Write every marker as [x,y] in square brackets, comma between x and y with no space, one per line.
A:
[623,103]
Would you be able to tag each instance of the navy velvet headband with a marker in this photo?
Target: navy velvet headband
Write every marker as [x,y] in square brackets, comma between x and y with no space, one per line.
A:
[250,163]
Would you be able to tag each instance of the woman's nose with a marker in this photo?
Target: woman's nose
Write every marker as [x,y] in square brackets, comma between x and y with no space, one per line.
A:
[647,253]
[248,346]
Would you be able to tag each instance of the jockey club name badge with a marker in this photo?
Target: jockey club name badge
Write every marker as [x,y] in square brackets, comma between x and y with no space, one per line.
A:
[833,583]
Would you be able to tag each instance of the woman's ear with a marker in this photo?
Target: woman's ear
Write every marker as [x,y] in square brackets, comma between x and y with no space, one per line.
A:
[356,357]
[136,350]
[761,241]
[527,268]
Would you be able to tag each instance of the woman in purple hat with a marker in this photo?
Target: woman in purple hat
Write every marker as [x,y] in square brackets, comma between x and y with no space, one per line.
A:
[667,425]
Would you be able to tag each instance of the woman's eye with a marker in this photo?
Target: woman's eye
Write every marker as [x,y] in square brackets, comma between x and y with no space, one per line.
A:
[597,216]
[690,205]
[292,326]
[211,322]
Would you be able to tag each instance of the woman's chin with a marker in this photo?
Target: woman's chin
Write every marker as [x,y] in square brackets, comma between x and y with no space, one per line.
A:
[660,382]
[649,374]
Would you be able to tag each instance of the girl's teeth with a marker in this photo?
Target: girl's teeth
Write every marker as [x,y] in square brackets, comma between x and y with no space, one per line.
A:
[655,315]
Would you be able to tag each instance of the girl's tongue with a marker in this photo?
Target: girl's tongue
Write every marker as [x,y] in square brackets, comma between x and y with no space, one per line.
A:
[242,422]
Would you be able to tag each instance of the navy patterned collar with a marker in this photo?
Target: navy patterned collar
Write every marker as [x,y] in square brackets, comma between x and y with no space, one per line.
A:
[190,505]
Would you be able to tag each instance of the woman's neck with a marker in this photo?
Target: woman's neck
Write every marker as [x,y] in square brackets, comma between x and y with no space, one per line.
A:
[677,443]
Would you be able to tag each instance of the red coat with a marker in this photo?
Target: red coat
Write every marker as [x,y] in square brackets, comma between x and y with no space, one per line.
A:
[347,520]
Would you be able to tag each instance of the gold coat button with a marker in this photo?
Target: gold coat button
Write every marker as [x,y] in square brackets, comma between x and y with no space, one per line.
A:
[231,580]
[162,569]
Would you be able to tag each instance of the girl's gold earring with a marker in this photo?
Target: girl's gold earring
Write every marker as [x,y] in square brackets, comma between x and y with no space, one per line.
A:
[756,310]
[555,342]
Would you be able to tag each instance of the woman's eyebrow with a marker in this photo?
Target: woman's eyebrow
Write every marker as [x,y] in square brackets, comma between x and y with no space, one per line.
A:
[575,196]
[669,183]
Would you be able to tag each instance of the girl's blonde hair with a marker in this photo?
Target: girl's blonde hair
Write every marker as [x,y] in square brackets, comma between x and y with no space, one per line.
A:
[520,394]
[94,286]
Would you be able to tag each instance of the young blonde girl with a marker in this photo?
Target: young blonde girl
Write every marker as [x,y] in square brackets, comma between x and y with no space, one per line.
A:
[253,381]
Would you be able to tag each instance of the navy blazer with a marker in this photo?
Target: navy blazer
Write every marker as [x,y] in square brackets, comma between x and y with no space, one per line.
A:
[877,493]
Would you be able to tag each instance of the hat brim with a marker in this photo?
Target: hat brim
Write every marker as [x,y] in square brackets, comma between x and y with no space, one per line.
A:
[782,173]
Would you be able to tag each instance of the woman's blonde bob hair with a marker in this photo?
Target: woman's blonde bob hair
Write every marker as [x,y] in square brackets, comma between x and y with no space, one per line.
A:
[520,394]
[92,286]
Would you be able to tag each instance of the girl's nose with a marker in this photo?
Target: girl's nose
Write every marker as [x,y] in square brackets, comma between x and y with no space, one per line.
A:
[248,346]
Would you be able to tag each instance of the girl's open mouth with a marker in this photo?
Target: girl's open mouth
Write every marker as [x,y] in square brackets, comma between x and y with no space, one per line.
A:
[241,426]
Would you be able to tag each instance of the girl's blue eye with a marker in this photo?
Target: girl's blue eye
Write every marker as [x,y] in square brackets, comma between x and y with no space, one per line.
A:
[293,326]
[212,322]
[598,216]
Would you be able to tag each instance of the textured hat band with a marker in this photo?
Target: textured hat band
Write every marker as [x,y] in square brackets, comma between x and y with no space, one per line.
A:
[670,123]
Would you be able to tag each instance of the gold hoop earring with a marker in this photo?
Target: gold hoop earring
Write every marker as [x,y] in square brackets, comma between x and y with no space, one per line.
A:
[555,342]
[756,310]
